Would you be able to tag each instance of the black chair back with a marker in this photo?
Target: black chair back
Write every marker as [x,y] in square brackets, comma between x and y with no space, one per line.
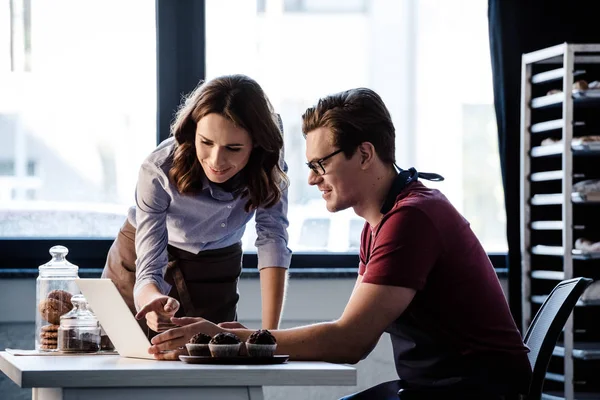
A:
[542,334]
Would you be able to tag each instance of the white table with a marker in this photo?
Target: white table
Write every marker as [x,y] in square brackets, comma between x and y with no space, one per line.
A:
[116,378]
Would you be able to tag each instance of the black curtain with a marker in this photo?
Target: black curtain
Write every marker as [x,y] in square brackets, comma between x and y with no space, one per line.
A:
[517,27]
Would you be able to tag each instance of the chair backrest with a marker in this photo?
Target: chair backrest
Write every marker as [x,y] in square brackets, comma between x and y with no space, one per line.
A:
[542,334]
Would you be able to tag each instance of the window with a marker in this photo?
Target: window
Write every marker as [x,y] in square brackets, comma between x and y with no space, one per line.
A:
[79,91]
[77,114]
[428,59]
[455,129]
[334,6]
[315,233]
[356,227]
[7,168]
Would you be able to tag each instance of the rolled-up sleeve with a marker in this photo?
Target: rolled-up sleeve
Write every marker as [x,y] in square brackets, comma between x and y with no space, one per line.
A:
[271,230]
[151,239]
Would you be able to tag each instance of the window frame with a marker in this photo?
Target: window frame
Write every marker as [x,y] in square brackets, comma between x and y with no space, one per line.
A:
[179,69]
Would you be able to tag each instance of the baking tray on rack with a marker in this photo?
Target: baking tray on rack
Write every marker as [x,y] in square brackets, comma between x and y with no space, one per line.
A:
[589,93]
[581,350]
[585,98]
[584,255]
[593,197]
[585,146]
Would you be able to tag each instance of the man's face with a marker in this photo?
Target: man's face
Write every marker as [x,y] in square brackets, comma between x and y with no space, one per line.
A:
[338,184]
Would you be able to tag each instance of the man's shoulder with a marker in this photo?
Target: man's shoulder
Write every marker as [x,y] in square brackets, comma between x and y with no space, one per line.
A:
[421,197]
[421,207]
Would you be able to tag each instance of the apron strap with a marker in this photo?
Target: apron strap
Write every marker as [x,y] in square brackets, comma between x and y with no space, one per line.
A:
[182,290]
[431,176]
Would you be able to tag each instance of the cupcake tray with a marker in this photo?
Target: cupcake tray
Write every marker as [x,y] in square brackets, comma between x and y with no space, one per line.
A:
[240,360]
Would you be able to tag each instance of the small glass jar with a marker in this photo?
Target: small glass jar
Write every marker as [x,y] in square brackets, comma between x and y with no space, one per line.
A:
[79,330]
[105,342]
[55,286]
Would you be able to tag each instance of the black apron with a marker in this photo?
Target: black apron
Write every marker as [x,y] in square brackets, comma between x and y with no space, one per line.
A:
[205,284]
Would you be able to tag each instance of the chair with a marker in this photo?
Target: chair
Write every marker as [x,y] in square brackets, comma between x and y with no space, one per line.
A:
[548,322]
[541,337]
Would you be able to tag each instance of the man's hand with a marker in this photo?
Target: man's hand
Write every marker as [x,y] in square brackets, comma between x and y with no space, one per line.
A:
[158,313]
[231,325]
[172,355]
[175,339]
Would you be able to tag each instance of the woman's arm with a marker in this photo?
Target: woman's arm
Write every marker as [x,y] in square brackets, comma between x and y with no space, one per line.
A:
[273,283]
[273,254]
[152,202]
[151,237]
[273,257]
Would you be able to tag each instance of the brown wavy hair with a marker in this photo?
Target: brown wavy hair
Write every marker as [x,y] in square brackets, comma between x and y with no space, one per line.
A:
[354,116]
[242,101]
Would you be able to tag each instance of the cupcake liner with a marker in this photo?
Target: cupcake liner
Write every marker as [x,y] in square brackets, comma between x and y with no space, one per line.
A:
[198,349]
[261,350]
[224,350]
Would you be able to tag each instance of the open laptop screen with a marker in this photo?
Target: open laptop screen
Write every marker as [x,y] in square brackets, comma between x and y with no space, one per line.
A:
[115,317]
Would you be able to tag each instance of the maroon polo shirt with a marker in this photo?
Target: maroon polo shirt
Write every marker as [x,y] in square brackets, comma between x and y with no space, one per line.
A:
[458,328]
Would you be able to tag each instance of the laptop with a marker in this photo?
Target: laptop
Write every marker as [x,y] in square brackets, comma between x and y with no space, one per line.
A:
[115,317]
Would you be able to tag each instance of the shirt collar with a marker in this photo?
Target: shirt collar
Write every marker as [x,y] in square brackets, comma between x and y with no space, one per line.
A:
[217,192]
[401,180]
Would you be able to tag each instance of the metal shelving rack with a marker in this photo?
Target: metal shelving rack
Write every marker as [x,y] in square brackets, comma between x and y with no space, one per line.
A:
[549,226]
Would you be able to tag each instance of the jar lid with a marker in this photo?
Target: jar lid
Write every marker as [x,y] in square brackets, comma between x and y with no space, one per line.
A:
[59,264]
[79,316]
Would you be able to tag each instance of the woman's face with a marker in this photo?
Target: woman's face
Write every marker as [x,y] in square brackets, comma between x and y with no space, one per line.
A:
[222,148]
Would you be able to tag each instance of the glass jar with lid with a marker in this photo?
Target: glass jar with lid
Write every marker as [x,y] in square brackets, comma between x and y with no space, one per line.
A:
[79,330]
[55,287]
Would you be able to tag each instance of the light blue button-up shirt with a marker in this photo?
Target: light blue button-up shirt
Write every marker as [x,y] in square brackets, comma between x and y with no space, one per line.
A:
[211,219]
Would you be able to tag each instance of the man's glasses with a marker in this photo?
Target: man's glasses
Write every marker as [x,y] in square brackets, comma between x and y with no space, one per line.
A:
[317,166]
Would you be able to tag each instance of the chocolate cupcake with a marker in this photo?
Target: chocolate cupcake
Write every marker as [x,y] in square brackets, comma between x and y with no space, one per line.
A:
[198,345]
[261,344]
[225,344]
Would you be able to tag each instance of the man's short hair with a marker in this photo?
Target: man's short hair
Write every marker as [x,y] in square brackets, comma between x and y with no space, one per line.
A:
[354,116]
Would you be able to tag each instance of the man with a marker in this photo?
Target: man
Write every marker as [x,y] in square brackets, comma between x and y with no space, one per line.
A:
[423,276]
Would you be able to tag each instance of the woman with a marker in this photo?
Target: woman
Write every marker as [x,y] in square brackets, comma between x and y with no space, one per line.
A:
[179,252]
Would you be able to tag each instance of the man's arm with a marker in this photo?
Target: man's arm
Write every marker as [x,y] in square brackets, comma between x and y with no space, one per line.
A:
[359,279]
[371,309]
[272,291]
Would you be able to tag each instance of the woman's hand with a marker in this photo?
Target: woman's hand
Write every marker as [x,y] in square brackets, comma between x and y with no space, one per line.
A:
[170,344]
[158,313]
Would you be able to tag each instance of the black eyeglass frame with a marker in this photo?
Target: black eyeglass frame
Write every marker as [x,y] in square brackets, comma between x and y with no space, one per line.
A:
[313,164]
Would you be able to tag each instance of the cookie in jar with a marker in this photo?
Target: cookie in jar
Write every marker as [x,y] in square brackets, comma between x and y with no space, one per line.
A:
[55,287]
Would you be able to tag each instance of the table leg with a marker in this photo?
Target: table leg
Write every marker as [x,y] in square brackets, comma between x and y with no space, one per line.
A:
[255,393]
[46,394]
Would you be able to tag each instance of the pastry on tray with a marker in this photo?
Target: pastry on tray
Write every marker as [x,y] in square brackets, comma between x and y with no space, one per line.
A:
[198,345]
[261,344]
[225,344]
